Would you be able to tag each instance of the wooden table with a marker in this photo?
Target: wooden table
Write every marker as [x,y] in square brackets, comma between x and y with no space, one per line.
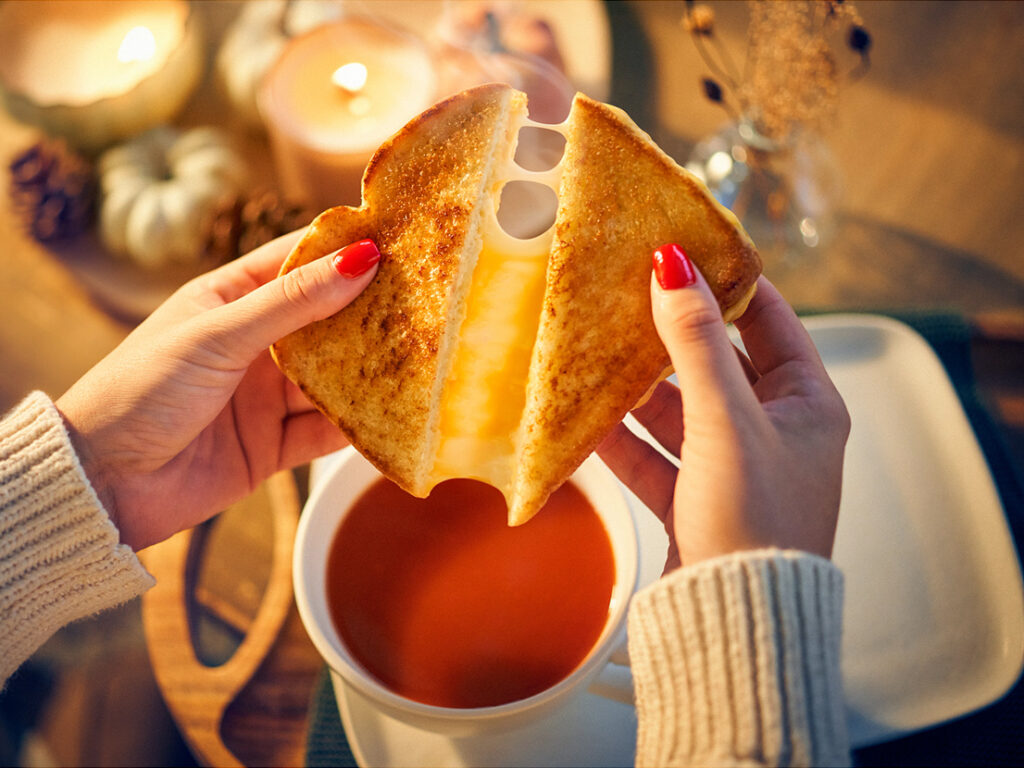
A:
[930,143]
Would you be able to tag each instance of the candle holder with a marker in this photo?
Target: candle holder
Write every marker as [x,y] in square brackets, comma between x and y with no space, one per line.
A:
[786,193]
[255,39]
[95,72]
[333,96]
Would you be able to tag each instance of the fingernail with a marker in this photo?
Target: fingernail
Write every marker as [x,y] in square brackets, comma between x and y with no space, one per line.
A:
[673,268]
[353,260]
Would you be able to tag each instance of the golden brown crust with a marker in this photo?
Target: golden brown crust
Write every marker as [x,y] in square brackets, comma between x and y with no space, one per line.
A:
[375,368]
[597,350]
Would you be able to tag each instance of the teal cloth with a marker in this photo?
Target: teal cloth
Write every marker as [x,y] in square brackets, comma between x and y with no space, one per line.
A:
[326,743]
[990,737]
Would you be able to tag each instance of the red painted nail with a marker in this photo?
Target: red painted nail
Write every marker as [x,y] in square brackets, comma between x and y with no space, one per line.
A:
[673,268]
[353,260]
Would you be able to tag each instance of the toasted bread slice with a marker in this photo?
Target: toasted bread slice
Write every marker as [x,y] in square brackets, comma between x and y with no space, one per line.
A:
[597,351]
[376,369]
[475,354]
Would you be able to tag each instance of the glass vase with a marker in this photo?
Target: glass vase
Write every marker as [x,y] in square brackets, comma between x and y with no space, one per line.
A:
[785,192]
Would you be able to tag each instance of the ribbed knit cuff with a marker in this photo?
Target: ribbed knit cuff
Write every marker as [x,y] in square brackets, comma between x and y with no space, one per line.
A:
[736,661]
[60,556]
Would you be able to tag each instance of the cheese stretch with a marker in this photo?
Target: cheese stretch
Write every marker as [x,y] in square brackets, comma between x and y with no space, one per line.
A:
[485,393]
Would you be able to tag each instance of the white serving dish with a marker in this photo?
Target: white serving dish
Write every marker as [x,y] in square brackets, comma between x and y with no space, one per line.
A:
[934,614]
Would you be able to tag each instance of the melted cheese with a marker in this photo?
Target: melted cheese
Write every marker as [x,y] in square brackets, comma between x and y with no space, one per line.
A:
[485,393]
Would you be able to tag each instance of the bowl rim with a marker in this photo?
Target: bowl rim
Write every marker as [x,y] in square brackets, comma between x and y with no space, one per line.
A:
[593,479]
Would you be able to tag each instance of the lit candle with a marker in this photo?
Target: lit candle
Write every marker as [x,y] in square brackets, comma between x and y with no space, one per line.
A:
[95,72]
[332,97]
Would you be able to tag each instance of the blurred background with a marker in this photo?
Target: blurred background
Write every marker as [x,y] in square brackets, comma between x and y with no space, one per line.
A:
[874,150]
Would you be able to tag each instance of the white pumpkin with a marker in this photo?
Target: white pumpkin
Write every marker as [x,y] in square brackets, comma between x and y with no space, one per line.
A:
[255,39]
[158,190]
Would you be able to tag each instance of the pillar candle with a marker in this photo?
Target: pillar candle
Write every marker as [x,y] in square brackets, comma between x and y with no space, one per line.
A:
[333,96]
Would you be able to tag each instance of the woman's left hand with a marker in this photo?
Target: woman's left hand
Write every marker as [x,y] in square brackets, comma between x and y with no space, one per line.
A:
[190,413]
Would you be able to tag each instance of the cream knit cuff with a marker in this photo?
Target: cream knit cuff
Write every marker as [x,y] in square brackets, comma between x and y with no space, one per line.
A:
[60,556]
[736,662]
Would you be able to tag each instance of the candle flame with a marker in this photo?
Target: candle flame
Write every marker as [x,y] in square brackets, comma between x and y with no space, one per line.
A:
[350,77]
[138,45]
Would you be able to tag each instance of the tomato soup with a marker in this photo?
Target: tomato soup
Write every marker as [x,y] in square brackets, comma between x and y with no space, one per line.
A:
[444,603]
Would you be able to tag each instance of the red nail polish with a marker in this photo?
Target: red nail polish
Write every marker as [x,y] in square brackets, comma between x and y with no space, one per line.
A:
[673,268]
[353,260]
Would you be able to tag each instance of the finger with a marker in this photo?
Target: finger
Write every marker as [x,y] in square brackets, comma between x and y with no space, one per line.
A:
[308,436]
[262,264]
[689,323]
[748,367]
[772,333]
[247,273]
[312,292]
[295,399]
[662,417]
[641,468]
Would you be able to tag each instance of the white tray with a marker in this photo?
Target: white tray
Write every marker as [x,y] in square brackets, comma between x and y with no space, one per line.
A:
[934,612]
[934,615]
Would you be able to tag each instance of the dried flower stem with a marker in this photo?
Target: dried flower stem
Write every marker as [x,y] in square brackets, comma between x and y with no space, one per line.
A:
[790,75]
[730,80]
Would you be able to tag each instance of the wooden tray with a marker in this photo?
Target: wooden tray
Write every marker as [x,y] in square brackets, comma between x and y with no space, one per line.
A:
[253,708]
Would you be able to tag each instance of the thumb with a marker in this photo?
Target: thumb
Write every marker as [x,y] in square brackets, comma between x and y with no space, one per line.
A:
[689,322]
[312,292]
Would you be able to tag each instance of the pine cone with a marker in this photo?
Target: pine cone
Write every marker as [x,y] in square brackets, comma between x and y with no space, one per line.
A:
[245,222]
[53,191]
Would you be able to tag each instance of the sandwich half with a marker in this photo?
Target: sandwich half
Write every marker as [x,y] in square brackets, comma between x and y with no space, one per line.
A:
[477,354]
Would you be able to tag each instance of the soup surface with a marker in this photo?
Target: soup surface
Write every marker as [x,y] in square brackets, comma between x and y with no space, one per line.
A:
[444,603]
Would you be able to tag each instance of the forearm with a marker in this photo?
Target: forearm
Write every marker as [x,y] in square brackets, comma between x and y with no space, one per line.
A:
[60,556]
[736,661]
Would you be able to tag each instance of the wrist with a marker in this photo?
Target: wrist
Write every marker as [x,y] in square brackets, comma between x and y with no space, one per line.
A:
[93,469]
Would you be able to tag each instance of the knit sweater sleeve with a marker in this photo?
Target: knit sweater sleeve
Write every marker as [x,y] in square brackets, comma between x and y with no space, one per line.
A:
[60,556]
[736,662]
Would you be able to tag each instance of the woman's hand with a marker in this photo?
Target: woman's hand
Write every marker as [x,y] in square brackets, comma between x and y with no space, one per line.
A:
[189,413]
[760,440]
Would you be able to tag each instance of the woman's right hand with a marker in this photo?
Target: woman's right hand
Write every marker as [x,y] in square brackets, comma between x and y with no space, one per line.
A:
[760,439]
